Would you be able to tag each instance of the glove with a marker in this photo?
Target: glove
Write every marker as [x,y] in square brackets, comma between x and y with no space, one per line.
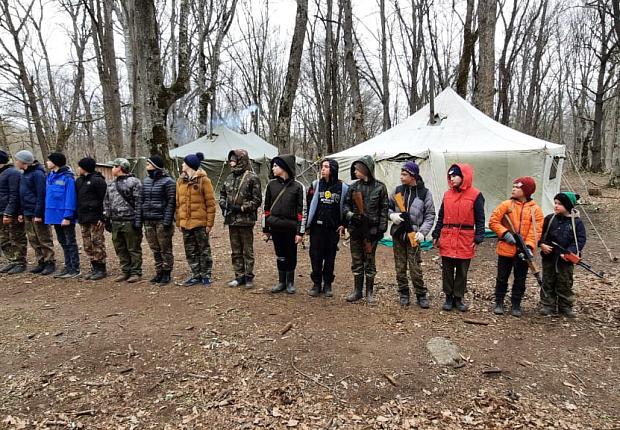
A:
[509,238]
[395,218]
[419,237]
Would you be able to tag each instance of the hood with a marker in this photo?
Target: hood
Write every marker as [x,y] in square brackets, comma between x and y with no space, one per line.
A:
[468,176]
[289,162]
[5,167]
[34,166]
[333,169]
[367,161]
[64,170]
[243,160]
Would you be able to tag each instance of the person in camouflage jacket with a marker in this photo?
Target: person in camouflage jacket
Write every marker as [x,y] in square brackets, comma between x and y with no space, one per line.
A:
[121,208]
[240,198]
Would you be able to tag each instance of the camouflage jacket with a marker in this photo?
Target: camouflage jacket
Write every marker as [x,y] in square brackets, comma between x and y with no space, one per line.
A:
[122,200]
[241,196]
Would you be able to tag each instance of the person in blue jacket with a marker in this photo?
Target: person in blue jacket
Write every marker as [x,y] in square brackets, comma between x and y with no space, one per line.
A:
[12,233]
[60,211]
[32,210]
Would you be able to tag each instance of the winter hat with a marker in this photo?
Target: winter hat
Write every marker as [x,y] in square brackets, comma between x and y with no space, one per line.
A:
[567,199]
[88,164]
[193,160]
[25,156]
[4,157]
[455,171]
[156,161]
[58,158]
[412,168]
[527,185]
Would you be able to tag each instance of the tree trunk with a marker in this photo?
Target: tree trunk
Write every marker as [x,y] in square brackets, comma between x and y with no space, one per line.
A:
[487,10]
[283,127]
[327,89]
[385,77]
[469,43]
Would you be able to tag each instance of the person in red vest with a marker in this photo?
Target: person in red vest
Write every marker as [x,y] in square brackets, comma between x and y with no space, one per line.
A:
[459,230]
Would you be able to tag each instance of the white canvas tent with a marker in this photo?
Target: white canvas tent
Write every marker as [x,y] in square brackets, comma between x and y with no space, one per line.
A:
[462,134]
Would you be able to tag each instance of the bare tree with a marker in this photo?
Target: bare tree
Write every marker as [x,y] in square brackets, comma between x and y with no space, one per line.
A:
[485,89]
[467,53]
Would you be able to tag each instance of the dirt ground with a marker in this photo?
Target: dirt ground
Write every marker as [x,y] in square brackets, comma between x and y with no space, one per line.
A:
[80,354]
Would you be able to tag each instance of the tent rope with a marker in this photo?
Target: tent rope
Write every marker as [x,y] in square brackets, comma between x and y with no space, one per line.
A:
[572,189]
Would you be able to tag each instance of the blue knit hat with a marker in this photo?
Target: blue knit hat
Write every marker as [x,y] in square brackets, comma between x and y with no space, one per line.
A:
[193,160]
[412,168]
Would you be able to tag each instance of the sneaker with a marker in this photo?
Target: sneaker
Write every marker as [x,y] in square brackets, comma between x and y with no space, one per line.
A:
[237,282]
[134,278]
[422,300]
[49,269]
[194,280]
[18,268]
[7,267]
[61,274]
[206,281]
[70,275]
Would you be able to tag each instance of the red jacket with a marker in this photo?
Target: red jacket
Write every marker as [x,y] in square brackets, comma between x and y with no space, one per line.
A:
[458,222]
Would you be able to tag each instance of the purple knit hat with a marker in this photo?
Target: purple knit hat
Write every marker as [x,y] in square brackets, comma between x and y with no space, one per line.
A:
[412,168]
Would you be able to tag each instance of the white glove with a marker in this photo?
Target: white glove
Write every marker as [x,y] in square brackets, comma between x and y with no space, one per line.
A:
[395,218]
[419,237]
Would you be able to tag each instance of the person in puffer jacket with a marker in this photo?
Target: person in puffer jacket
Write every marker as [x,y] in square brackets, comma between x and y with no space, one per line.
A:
[158,206]
[12,232]
[565,228]
[240,198]
[459,230]
[527,219]
[123,214]
[417,220]
[365,227]
[285,219]
[60,211]
[91,189]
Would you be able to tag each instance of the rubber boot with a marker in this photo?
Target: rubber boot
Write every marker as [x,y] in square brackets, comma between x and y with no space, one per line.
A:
[156,279]
[422,301]
[404,297]
[165,277]
[568,312]
[315,290]
[358,286]
[49,269]
[290,282]
[499,307]
[281,285]
[370,290]
[327,290]
[449,303]
[516,310]
[99,273]
[458,303]
[93,270]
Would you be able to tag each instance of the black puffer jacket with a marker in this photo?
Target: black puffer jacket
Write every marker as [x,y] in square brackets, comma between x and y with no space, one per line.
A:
[9,190]
[159,198]
[376,202]
[91,191]
[289,211]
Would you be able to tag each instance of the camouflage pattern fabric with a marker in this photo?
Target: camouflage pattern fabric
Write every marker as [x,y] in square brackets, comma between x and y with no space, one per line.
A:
[198,251]
[409,258]
[159,238]
[242,247]
[13,241]
[363,263]
[557,284]
[94,242]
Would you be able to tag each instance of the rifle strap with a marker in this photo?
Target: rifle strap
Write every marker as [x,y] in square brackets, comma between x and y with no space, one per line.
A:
[572,220]
[535,230]
[279,196]
[240,186]
[118,190]
[544,236]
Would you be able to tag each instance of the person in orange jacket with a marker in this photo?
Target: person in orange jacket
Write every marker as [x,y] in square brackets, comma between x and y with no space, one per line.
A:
[527,219]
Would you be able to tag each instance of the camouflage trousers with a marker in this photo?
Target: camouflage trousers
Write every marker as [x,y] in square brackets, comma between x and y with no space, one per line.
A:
[557,288]
[409,258]
[363,263]
[242,250]
[127,242]
[94,242]
[13,241]
[198,251]
[40,238]
[159,238]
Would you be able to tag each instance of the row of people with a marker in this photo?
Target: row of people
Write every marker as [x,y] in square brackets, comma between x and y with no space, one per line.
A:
[32,201]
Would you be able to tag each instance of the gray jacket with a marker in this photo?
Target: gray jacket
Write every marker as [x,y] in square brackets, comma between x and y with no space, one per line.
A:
[420,206]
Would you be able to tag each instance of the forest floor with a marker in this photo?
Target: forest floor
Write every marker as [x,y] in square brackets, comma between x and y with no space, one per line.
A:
[82,354]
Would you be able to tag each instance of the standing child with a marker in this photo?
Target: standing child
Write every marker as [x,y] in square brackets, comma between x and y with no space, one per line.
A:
[459,230]
[285,219]
[12,232]
[565,228]
[526,218]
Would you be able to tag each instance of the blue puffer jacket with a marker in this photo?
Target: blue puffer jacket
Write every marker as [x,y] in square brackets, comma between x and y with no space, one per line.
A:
[559,229]
[60,196]
[32,191]
[9,190]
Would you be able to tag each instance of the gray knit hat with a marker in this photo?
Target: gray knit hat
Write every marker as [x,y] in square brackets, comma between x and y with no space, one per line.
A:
[25,156]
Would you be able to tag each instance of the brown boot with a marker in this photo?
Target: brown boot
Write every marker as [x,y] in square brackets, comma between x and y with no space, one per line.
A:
[122,277]
[134,278]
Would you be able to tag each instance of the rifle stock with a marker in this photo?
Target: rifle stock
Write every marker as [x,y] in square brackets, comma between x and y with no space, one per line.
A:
[358,201]
[579,263]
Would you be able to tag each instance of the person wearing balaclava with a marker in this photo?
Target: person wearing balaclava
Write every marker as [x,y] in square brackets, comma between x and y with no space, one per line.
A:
[526,217]
[158,207]
[564,228]
[240,198]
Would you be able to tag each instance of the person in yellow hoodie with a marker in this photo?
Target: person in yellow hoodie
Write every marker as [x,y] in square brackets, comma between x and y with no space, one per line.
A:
[527,218]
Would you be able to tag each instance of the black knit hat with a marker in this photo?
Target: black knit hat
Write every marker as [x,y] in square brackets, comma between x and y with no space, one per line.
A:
[567,199]
[156,161]
[58,158]
[88,164]
[4,157]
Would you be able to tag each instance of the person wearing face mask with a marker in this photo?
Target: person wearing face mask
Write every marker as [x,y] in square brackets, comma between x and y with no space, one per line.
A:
[240,198]
[158,206]
[459,230]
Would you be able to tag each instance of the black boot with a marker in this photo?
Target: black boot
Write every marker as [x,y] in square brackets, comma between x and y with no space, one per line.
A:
[157,278]
[327,290]
[99,273]
[422,300]
[290,282]
[281,285]
[567,311]
[499,306]
[37,269]
[546,310]
[48,269]
[516,310]
[370,289]
[449,303]
[315,290]
[165,277]
[358,286]
[93,269]
[458,303]
[404,297]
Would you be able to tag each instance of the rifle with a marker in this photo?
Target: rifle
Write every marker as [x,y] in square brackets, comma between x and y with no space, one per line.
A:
[524,253]
[400,202]
[358,200]
[575,259]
